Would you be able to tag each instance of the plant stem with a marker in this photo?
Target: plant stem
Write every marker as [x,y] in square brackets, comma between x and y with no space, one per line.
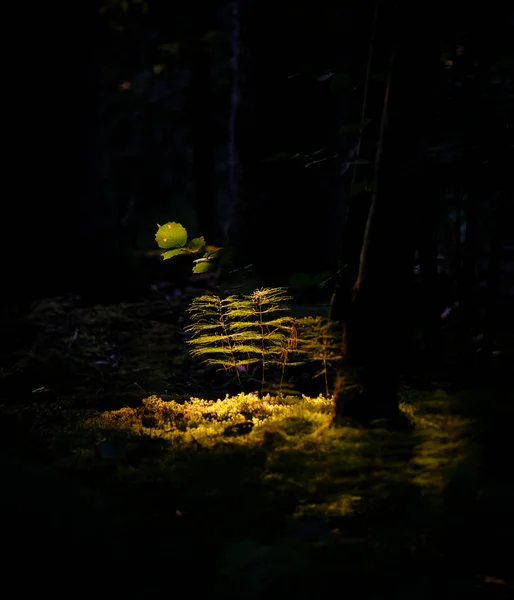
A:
[228,337]
[263,347]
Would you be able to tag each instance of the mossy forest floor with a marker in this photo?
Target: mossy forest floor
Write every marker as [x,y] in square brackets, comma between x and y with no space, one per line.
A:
[128,470]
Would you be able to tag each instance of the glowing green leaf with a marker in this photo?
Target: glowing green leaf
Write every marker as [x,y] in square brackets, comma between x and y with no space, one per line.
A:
[196,244]
[171,235]
[203,267]
[172,253]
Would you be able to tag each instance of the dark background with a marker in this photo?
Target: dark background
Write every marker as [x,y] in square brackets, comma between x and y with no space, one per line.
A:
[118,117]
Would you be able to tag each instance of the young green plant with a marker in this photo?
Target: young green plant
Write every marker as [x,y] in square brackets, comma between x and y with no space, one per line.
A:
[239,331]
[319,342]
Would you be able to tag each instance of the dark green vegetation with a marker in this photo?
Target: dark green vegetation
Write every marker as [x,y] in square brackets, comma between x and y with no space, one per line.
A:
[115,461]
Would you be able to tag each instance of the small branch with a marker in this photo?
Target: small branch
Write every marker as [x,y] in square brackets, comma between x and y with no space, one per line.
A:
[380,147]
[366,92]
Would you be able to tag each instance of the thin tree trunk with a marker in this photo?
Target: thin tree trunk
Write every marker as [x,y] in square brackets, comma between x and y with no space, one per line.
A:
[203,150]
[429,277]
[234,167]
[366,321]
[356,210]
[374,341]
[467,277]
[490,328]
[456,271]
[242,136]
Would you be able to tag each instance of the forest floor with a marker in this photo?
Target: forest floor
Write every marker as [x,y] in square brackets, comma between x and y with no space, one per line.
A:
[130,469]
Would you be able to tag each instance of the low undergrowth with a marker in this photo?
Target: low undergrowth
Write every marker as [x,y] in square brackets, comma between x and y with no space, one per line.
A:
[257,492]
[265,483]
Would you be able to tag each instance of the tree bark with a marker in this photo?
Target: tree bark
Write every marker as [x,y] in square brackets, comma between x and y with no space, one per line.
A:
[374,341]
[428,251]
[466,283]
[242,136]
[203,146]
[358,207]
[365,331]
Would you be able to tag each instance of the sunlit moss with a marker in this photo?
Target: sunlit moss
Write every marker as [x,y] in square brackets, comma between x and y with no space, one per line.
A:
[210,419]
[286,445]
[265,451]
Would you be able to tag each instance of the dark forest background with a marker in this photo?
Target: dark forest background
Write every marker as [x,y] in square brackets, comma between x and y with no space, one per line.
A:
[360,153]
[123,119]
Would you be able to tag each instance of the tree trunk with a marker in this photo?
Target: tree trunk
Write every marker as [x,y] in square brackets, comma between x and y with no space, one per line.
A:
[431,313]
[242,136]
[375,333]
[491,308]
[356,210]
[365,333]
[466,284]
[203,149]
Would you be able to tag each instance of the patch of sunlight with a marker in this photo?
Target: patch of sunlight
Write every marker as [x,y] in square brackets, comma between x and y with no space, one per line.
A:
[268,451]
[444,448]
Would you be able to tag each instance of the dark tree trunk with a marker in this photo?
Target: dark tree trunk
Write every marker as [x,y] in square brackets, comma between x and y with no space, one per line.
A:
[455,273]
[203,146]
[242,136]
[375,333]
[357,208]
[491,309]
[366,332]
[430,305]
[467,279]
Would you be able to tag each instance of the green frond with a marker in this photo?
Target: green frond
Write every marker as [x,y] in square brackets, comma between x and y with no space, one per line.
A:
[211,350]
[252,329]
[246,362]
[239,313]
[247,348]
[232,300]
[242,324]
[215,362]
[208,339]
[201,326]
[205,301]
[281,322]
[267,310]
[247,336]
[271,294]
[276,338]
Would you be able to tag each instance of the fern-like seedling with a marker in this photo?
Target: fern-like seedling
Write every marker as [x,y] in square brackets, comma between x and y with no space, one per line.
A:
[212,331]
[265,331]
[239,331]
[319,342]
